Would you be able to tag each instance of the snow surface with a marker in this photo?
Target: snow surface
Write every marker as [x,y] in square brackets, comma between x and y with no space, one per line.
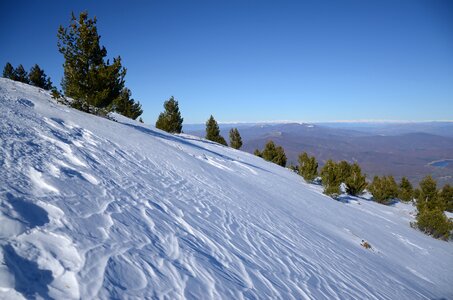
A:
[96,209]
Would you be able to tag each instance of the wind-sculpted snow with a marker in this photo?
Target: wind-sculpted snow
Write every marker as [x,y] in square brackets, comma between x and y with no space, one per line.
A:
[96,209]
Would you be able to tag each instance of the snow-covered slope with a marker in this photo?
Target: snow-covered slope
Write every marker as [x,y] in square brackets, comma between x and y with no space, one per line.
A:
[91,208]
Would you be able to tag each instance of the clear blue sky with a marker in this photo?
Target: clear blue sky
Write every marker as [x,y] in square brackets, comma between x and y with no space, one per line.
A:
[260,60]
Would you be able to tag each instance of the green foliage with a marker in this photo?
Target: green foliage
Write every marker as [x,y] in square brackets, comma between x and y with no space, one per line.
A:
[308,167]
[21,75]
[170,120]
[9,72]
[343,170]
[38,78]
[275,154]
[356,181]
[257,152]
[383,189]
[213,131]
[235,138]
[88,78]
[434,222]
[428,197]
[127,106]
[446,197]
[331,179]
[405,190]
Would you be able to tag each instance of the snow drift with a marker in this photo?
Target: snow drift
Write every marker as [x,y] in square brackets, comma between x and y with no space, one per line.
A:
[92,208]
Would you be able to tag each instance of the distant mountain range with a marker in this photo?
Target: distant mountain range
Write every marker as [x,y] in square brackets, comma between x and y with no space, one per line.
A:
[399,149]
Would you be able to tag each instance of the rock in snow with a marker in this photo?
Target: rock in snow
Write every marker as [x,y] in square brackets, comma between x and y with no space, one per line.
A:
[96,209]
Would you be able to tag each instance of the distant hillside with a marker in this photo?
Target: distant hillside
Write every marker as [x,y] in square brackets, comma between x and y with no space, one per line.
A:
[405,154]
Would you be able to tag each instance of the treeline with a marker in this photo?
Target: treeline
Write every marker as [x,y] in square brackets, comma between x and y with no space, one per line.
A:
[36,76]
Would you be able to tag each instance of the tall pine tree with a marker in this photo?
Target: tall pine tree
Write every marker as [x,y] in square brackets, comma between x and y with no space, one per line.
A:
[170,120]
[88,78]
[235,138]
[21,75]
[213,131]
[9,72]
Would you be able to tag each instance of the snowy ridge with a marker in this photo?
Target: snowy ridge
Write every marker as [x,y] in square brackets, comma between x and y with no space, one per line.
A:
[91,208]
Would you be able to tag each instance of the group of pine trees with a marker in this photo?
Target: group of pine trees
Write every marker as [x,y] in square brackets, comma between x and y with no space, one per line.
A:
[430,202]
[36,76]
[272,153]
[170,120]
[89,78]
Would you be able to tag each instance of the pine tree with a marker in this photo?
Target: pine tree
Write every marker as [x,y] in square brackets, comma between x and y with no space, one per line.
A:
[275,154]
[280,156]
[88,78]
[235,138]
[356,182]
[9,72]
[428,197]
[127,106]
[383,189]
[38,78]
[446,196]
[331,179]
[170,120]
[405,191]
[434,222]
[344,171]
[308,167]
[213,131]
[21,75]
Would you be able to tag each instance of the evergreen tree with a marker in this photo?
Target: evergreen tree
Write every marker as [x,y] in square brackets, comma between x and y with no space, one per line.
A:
[235,138]
[280,156]
[308,167]
[88,78]
[435,223]
[9,72]
[331,179]
[127,106]
[21,75]
[213,131]
[170,120]
[428,197]
[344,171]
[446,196]
[275,154]
[356,182]
[383,189]
[38,78]
[405,191]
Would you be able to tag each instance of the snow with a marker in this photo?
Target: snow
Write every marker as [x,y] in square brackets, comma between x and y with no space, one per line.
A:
[96,209]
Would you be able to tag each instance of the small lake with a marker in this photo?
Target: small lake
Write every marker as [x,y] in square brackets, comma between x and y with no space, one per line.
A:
[441,163]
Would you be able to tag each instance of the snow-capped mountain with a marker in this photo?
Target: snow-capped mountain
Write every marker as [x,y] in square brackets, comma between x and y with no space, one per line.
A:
[96,209]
